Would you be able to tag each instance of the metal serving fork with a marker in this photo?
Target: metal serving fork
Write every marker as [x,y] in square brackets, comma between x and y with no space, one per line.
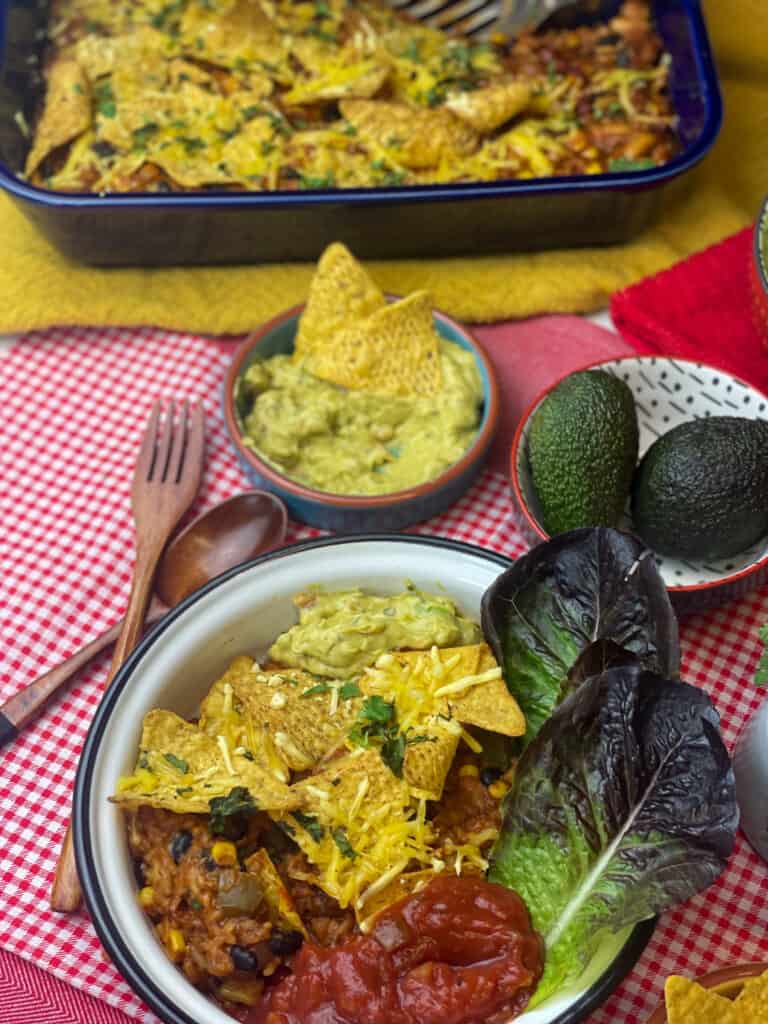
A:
[165,482]
[481,18]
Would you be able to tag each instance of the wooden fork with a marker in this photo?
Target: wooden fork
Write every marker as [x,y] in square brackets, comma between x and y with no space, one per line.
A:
[165,482]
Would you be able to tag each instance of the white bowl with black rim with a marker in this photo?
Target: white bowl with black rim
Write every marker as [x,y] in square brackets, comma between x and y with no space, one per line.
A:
[241,612]
[667,392]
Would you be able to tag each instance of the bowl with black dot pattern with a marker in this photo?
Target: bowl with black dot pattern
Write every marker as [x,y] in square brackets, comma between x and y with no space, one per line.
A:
[667,392]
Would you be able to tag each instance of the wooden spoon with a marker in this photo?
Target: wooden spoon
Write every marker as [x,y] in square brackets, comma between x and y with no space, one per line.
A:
[228,534]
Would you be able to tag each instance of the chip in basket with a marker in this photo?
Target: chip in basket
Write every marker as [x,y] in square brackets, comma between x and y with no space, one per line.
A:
[752,1001]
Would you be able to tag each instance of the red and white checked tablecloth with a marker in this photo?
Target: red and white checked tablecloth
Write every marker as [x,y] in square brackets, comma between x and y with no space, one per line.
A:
[74,404]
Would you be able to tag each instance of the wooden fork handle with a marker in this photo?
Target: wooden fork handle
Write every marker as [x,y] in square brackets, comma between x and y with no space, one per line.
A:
[66,894]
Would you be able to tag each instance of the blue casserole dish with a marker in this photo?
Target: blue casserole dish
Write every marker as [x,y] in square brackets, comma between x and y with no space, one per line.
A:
[428,220]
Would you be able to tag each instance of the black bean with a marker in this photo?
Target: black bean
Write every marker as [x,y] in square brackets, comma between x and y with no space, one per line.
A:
[489,775]
[243,959]
[284,943]
[179,845]
[609,39]
[139,873]
[103,149]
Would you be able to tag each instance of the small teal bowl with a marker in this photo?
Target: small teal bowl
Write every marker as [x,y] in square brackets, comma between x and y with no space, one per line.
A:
[350,513]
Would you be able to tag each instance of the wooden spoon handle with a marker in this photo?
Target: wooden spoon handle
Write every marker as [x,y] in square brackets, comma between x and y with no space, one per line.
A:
[25,705]
[66,893]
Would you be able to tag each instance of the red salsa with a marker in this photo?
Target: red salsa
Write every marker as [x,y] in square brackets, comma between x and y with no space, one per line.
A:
[461,951]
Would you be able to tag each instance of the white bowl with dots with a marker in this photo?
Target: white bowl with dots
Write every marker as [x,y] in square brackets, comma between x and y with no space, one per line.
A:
[667,392]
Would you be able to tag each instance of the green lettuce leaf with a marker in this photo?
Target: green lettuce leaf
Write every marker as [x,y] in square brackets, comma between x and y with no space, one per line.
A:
[585,586]
[622,807]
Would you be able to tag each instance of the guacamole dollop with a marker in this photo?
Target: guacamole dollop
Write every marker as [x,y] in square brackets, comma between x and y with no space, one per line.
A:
[356,441]
[341,632]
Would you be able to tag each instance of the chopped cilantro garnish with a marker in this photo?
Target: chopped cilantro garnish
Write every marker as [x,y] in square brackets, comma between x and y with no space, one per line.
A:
[322,10]
[411,52]
[433,97]
[141,136]
[177,762]
[195,903]
[349,129]
[316,690]
[105,99]
[310,182]
[143,760]
[181,790]
[318,33]
[77,88]
[247,754]
[310,824]
[349,690]
[241,64]
[224,808]
[623,163]
[378,711]
[191,144]
[267,148]
[394,178]
[339,836]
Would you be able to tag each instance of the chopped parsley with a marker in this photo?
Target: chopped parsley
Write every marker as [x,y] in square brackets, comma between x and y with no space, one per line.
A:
[177,762]
[224,808]
[339,836]
[349,690]
[310,824]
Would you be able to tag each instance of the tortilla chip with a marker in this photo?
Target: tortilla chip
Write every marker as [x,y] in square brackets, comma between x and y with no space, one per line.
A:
[182,769]
[231,34]
[752,1001]
[429,719]
[428,759]
[421,137]
[488,705]
[222,713]
[341,292]
[282,911]
[307,719]
[357,827]
[688,1002]
[356,78]
[489,107]
[395,351]
[66,114]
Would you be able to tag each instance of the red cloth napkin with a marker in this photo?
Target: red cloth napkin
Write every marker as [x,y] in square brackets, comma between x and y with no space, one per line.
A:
[700,309]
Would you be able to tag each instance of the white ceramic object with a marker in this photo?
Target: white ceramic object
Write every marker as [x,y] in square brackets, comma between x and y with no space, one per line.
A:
[750,767]
[667,392]
[242,612]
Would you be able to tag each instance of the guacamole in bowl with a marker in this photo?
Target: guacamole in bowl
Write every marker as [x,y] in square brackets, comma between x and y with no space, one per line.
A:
[355,460]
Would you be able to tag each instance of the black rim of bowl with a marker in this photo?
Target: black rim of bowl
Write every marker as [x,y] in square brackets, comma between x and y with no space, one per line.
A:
[106,929]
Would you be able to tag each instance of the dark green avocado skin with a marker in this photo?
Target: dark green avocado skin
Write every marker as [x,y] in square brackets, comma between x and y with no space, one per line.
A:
[701,490]
[582,451]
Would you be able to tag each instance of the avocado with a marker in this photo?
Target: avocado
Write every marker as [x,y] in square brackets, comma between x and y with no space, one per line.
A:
[582,451]
[701,489]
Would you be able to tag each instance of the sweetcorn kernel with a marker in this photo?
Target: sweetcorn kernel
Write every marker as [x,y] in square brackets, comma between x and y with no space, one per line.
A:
[146,896]
[469,769]
[176,943]
[224,854]
[498,789]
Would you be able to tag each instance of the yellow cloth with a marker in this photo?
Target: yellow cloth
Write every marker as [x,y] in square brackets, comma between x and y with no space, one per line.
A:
[40,288]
